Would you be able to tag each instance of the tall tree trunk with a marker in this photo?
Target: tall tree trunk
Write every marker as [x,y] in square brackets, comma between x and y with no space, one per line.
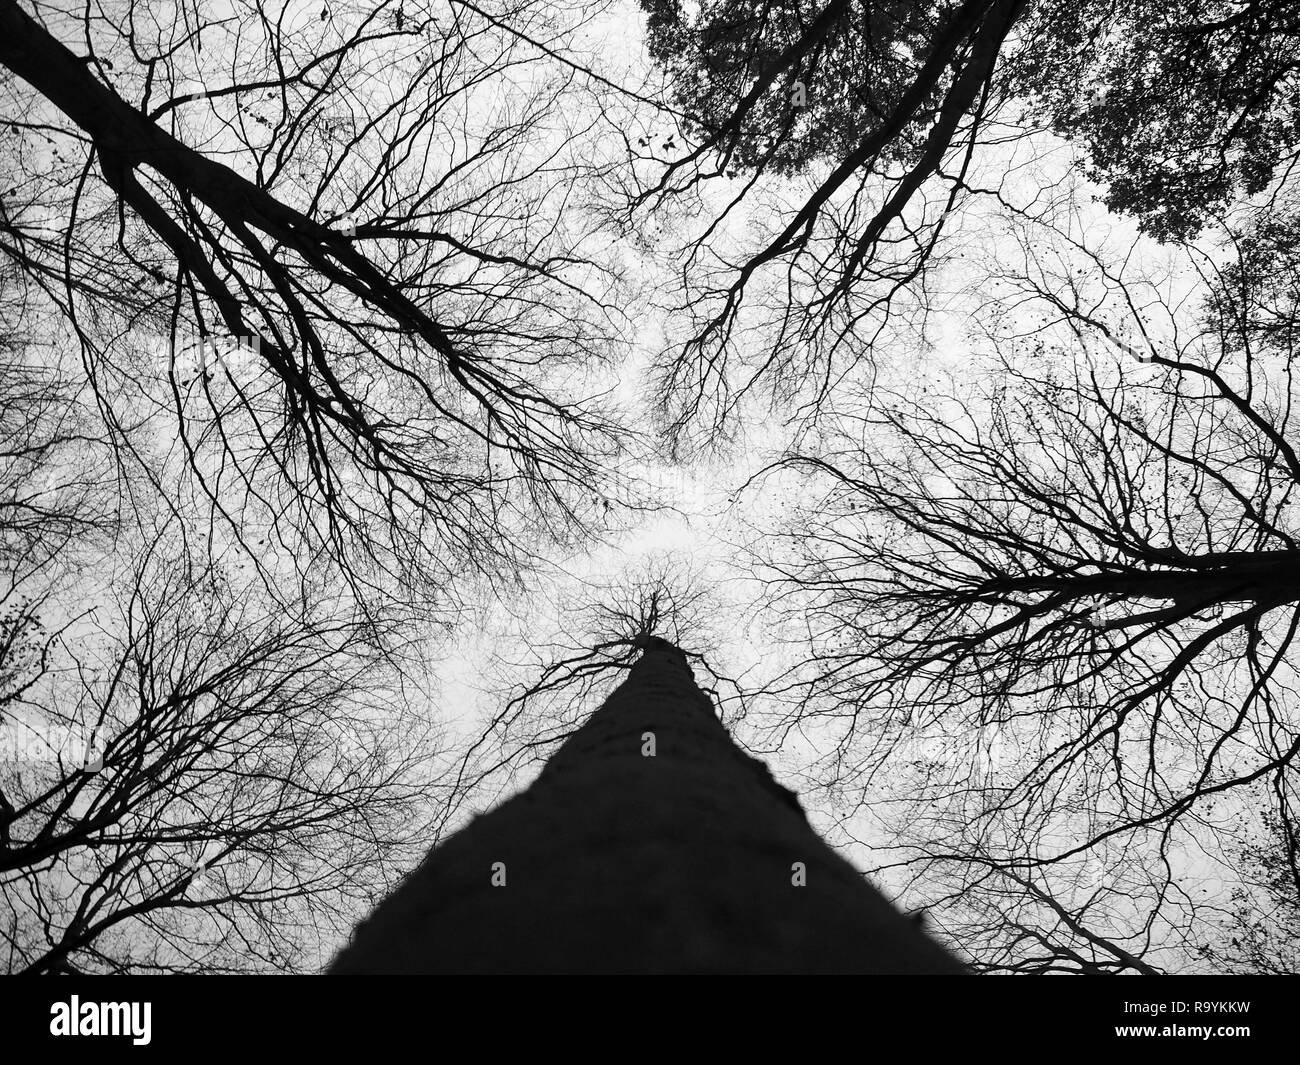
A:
[619,860]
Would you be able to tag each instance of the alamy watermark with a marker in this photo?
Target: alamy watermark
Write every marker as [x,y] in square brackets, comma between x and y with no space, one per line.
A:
[77,1018]
[77,748]
[190,355]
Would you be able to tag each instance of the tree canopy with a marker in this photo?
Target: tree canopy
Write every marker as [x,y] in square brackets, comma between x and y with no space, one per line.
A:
[379,381]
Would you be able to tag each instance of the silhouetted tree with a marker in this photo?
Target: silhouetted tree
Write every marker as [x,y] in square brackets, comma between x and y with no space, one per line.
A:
[541,692]
[194,779]
[216,743]
[877,96]
[197,773]
[879,113]
[782,85]
[649,843]
[1051,609]
[403,283]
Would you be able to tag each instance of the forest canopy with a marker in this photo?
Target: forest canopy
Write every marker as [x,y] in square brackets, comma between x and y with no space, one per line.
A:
[378,381]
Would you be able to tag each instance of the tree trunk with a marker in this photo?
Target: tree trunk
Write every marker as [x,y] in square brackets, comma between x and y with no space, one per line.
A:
[618,860]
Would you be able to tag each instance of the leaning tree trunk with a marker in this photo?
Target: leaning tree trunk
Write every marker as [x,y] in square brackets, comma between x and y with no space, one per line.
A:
[648,843]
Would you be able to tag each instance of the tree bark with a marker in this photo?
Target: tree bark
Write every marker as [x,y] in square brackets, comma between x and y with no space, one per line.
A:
[616,860]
